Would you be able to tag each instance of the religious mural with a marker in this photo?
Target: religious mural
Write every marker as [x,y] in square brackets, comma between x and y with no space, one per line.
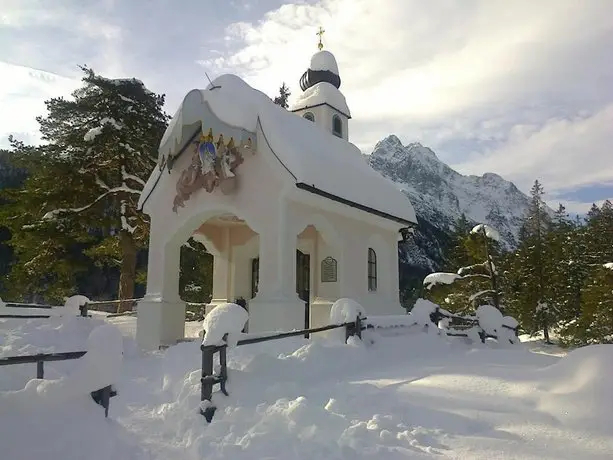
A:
[213,165]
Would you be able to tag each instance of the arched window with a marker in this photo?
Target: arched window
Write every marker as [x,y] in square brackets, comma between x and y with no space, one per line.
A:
[309,116]
[372,270]
[337,126]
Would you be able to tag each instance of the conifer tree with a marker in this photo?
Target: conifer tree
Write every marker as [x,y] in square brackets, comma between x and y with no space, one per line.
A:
[99,149]
[529,275]
[283,98]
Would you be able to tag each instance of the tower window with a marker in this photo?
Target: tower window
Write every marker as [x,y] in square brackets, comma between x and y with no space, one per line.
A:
[309,116]
[337,126]
[372,270]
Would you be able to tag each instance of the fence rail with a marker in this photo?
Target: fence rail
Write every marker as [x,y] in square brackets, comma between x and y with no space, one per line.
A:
[34,306]
[209,378]
[101,396]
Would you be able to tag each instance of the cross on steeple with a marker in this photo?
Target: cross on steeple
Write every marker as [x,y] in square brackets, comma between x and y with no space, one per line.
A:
[320,45]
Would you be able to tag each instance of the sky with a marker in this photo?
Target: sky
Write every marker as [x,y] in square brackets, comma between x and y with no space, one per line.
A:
[520,88]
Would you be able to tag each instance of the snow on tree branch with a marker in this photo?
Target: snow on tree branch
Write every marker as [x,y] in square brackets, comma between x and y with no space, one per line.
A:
[608,266]
[490,232]
[51,215]
[125,175]
[434,279]
[480,294]
[92,133]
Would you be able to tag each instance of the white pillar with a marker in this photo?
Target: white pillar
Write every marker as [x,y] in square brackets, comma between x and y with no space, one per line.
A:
[276,305]
[160,316]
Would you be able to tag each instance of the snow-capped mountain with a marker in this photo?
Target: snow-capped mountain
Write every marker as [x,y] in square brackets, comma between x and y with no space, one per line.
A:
[440,195]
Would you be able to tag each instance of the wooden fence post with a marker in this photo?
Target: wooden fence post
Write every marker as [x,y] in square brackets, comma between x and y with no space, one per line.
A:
[223,372]
[206,381]
[84,310]
[40,369]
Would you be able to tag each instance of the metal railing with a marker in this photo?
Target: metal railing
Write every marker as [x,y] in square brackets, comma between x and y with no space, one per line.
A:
[209,378]
[101,396]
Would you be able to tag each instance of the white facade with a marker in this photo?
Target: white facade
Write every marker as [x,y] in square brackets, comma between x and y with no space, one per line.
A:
[297,188]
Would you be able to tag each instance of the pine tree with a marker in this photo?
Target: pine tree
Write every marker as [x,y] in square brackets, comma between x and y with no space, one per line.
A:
[525,284]
[477,281]
[283,98]
[87,177]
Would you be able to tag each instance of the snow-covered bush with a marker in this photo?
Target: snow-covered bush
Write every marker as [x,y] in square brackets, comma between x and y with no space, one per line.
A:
[227,318]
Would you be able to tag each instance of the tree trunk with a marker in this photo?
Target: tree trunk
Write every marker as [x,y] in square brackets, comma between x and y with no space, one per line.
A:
[493,280]
[127,278]
[546,331]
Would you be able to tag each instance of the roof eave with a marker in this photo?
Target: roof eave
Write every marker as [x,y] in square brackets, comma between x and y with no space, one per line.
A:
[322,193]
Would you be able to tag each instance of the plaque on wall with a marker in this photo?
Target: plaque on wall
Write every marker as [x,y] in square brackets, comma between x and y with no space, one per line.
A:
[328,270]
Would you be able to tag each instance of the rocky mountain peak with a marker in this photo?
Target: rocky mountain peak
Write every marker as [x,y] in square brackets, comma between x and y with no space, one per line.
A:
[441,195]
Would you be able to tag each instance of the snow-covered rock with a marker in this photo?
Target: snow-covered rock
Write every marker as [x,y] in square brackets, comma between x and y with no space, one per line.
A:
[227,318]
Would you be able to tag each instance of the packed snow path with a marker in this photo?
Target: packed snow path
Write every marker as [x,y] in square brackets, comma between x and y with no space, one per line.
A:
[407,396]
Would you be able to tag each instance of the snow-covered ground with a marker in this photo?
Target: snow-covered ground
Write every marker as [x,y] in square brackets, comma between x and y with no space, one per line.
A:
[411,395]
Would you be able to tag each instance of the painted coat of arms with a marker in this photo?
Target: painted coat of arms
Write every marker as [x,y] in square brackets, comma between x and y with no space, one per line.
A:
[213,165]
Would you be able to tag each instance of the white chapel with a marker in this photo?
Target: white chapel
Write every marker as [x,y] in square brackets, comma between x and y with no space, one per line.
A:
[292,214]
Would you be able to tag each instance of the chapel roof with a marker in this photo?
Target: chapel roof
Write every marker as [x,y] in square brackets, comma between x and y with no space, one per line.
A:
[317,161]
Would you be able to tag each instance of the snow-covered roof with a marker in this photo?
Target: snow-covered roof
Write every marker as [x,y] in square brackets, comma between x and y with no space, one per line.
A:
[322,93]
[313,156]
[324,60]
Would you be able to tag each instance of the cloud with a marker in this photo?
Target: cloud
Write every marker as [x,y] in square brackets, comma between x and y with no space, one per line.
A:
[477,80]
[574,207]
[563,153]
[480,81]
[23,97]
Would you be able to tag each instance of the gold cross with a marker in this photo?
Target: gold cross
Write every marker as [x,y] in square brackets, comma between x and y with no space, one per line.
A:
[320,33]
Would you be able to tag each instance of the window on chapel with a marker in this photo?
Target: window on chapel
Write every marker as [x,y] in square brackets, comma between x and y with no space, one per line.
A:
[337,126]
[309,116]
[372,270]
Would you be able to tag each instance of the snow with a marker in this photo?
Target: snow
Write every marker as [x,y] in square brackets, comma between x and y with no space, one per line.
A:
[490,319]
[421,311]
[313,155]
[72,304]
[321,93]
[346,310]
[324,60]
[476,295]
[434,279]
[414,396]
[490,232]
[608,265]
[227,318]
[96,131]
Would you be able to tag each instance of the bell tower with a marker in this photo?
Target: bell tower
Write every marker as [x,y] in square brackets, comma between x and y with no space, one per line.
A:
[321,101]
